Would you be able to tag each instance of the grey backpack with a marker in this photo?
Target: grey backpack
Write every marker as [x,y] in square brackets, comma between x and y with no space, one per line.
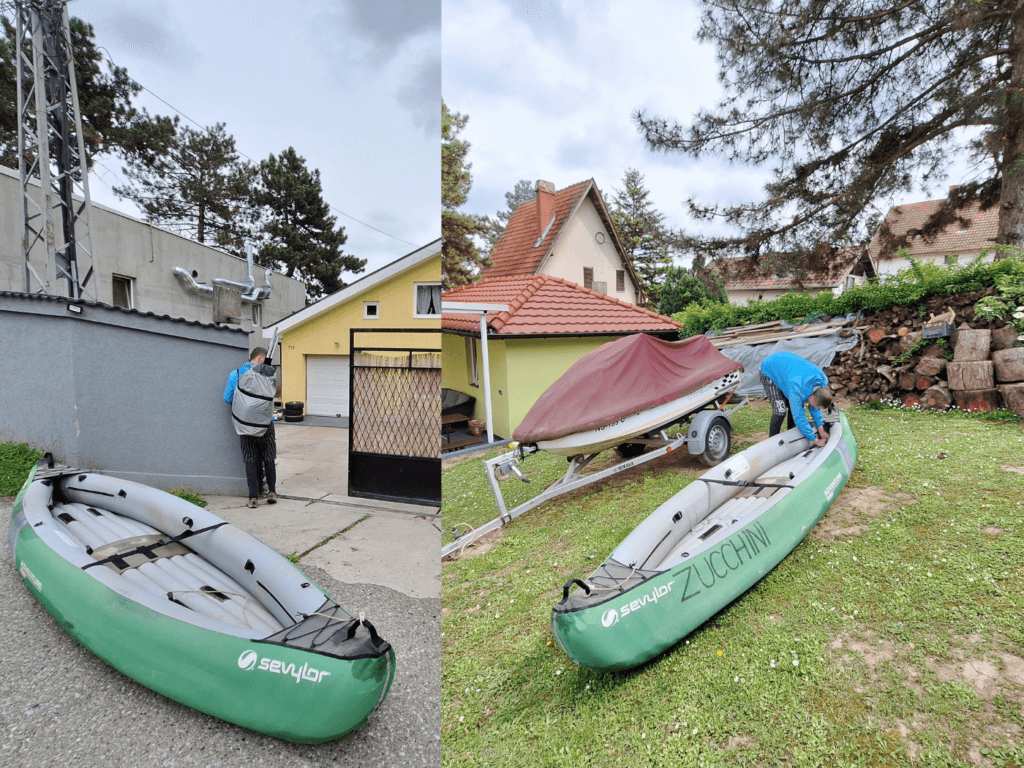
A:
[252,408]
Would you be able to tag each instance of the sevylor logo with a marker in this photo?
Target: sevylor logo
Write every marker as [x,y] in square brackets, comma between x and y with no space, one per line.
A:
[832,486]
[611,616]
[248,661]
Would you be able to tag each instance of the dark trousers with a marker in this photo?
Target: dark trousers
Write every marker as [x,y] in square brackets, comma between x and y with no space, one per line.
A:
[780,407]
[259,454]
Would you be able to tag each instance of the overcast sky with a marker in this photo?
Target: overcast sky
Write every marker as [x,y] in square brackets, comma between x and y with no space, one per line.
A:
[353,86]
[550,87]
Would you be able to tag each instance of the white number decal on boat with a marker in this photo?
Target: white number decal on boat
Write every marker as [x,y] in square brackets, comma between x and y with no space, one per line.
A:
[611,616]
[248,659]
[832,486]
[28,575]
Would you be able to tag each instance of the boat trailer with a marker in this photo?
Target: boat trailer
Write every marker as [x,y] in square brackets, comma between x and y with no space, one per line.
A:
[702,432]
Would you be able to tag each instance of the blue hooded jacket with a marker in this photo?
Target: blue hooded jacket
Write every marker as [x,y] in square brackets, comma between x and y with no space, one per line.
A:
[797,378]
[232,385]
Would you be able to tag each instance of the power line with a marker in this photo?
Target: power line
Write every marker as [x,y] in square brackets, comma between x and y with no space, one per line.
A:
[110,61]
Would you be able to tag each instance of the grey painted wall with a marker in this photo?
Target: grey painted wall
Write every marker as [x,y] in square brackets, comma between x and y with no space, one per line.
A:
[131,248]
[130,394]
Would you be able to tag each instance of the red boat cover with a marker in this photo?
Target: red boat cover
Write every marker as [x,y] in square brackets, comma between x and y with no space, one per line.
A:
[621,378]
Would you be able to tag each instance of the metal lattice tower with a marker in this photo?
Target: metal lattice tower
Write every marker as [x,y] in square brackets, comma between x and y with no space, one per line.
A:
[57,217]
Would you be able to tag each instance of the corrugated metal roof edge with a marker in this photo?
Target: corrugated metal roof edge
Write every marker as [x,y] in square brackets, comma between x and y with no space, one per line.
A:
[101,305]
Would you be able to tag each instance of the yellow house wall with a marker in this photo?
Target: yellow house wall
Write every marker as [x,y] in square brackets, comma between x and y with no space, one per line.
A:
[533,365]
[521,371]
[455,375]
[328,332]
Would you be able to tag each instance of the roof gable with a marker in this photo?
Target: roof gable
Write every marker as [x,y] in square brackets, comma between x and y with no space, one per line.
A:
[537,226]
[544,305]
[363,284]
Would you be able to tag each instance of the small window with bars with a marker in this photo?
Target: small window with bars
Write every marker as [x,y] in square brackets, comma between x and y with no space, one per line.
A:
[588,277]
[620,280]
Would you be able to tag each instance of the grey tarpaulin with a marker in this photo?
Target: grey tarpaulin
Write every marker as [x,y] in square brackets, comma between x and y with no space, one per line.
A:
[820,350]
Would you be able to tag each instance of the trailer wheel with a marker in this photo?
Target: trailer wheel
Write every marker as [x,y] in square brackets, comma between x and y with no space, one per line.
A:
[718,443]
[630,450]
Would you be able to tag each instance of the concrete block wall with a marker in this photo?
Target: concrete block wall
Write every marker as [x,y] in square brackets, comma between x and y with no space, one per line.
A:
[123,392]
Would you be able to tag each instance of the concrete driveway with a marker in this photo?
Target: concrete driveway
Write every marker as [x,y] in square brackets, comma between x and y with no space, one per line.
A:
[60,705]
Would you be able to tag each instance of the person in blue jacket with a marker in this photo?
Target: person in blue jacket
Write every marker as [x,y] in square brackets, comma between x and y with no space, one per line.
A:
[791,382]
[258,453]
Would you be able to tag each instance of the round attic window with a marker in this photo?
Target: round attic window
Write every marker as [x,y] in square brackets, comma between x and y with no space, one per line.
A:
[600,238]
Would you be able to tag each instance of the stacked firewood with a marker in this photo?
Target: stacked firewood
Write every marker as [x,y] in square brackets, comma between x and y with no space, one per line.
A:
[973,368]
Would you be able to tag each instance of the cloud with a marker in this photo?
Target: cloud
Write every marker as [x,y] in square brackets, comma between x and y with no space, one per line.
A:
[420,94]
[150,34]
[377,31]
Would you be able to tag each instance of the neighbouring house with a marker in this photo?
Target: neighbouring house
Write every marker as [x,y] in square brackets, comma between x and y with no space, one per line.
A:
[142,267]
[315,341]
[852,267]
[956,244]
[567,234]
[550,323]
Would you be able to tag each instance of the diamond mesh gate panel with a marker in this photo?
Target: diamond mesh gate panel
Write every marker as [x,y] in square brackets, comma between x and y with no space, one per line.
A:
[396,404]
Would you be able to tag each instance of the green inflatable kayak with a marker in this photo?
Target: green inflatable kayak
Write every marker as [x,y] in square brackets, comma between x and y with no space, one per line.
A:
[195,608]
[702,549]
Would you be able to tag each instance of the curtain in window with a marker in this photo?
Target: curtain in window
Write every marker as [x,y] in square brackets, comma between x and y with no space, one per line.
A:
[428,299]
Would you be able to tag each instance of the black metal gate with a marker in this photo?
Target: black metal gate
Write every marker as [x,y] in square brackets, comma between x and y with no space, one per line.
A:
[394,449]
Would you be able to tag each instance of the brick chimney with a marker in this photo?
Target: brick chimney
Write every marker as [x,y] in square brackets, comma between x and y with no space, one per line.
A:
[545,208]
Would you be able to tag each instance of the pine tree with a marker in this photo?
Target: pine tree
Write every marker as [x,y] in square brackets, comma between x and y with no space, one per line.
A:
[110,123]
[854,104]
[524,192]
[644,236]
[298,229]
[195,185]
[461,259]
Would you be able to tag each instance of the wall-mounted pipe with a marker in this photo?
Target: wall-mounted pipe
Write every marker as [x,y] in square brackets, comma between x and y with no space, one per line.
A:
[250,292]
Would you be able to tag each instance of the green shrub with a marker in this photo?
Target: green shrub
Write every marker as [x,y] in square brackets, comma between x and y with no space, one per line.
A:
[16,461]
[188,496]
[908,287]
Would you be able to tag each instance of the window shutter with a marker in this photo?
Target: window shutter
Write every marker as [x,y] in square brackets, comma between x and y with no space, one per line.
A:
[620,280]
[588,277]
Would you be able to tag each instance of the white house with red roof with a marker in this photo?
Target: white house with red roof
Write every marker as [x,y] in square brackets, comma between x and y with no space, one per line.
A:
[851,267]
[567,233]
[956,244]
[550,323]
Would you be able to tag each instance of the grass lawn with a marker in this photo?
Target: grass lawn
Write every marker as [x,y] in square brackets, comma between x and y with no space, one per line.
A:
[892,636]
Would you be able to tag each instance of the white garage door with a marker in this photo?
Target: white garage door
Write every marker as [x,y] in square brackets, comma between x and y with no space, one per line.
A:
[327,385]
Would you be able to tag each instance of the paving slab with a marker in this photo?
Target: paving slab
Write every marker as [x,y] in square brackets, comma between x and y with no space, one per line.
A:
[389,549]
[290,526]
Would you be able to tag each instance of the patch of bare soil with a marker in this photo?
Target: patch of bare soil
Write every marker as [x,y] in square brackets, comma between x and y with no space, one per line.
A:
[485,543]
[993,674]
[851,513]
[1018,470]
[682,462]
[869,648]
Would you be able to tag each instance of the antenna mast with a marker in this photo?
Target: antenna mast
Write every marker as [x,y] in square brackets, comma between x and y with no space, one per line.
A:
[56,218]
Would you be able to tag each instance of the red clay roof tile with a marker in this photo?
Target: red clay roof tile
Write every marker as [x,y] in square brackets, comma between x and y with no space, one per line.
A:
[541,304]
[518,252]
[952,240]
